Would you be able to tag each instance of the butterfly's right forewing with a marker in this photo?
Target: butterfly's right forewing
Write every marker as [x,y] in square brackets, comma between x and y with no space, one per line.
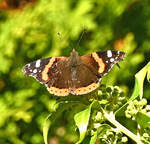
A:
[36,68]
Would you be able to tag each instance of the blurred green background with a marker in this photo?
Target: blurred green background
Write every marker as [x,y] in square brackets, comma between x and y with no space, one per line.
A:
[30,33]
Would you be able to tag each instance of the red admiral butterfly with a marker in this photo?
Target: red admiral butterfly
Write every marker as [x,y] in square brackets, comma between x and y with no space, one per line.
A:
[75,74]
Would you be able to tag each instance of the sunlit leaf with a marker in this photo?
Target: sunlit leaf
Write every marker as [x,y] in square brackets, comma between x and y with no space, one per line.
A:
[139,80]
[143,119]
[82,120]
[93,138]
[138,86]
[46,128]
[148,74]
[53,116]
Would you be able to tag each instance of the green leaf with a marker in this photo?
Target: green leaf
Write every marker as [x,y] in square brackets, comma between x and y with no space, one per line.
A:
[139,80]
[138,86]
[86,140]
[82,120]
[53,116]
[93,138]
[90,139]
[143,119]
[47,124]
[148,74]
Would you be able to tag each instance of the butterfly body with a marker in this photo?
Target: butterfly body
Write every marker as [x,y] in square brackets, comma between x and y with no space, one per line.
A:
[75,74]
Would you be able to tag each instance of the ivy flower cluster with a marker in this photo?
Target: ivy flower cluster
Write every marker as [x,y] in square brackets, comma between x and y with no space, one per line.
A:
[111,97]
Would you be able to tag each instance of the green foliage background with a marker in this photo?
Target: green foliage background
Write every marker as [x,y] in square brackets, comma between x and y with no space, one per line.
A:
[32,33]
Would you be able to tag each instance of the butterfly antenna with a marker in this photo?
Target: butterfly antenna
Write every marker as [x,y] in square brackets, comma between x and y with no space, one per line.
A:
[60,36]
[84,30]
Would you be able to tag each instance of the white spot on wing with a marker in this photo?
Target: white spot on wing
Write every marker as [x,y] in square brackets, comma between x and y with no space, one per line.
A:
[38,63]
[35,71]
[112,60]
[118,52]
[109,53]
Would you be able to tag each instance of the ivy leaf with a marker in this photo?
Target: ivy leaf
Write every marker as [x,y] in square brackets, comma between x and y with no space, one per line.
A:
[53,116]
[138,86]
[47,124]
[139,80]
[143,119]
[82,120]
[148,74]
[93,138]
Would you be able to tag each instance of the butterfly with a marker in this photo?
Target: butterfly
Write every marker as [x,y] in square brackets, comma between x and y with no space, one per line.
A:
[75,74]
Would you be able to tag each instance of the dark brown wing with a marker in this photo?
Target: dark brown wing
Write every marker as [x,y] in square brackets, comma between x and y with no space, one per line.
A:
[102,62]
[83,80]
[52,72]
[110,58]
[65,79]
[60,75]
[61,78]
[36,68]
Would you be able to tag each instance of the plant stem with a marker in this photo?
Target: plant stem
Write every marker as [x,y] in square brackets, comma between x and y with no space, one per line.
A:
[111,118]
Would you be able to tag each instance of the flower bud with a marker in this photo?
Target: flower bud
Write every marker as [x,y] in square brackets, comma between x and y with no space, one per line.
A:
[124,139]
[109,89]
[146,135]
[143,102]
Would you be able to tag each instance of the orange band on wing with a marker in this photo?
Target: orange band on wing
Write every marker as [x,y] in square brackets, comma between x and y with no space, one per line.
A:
[58,92]
[45,76]
[100,62]
[85,90]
